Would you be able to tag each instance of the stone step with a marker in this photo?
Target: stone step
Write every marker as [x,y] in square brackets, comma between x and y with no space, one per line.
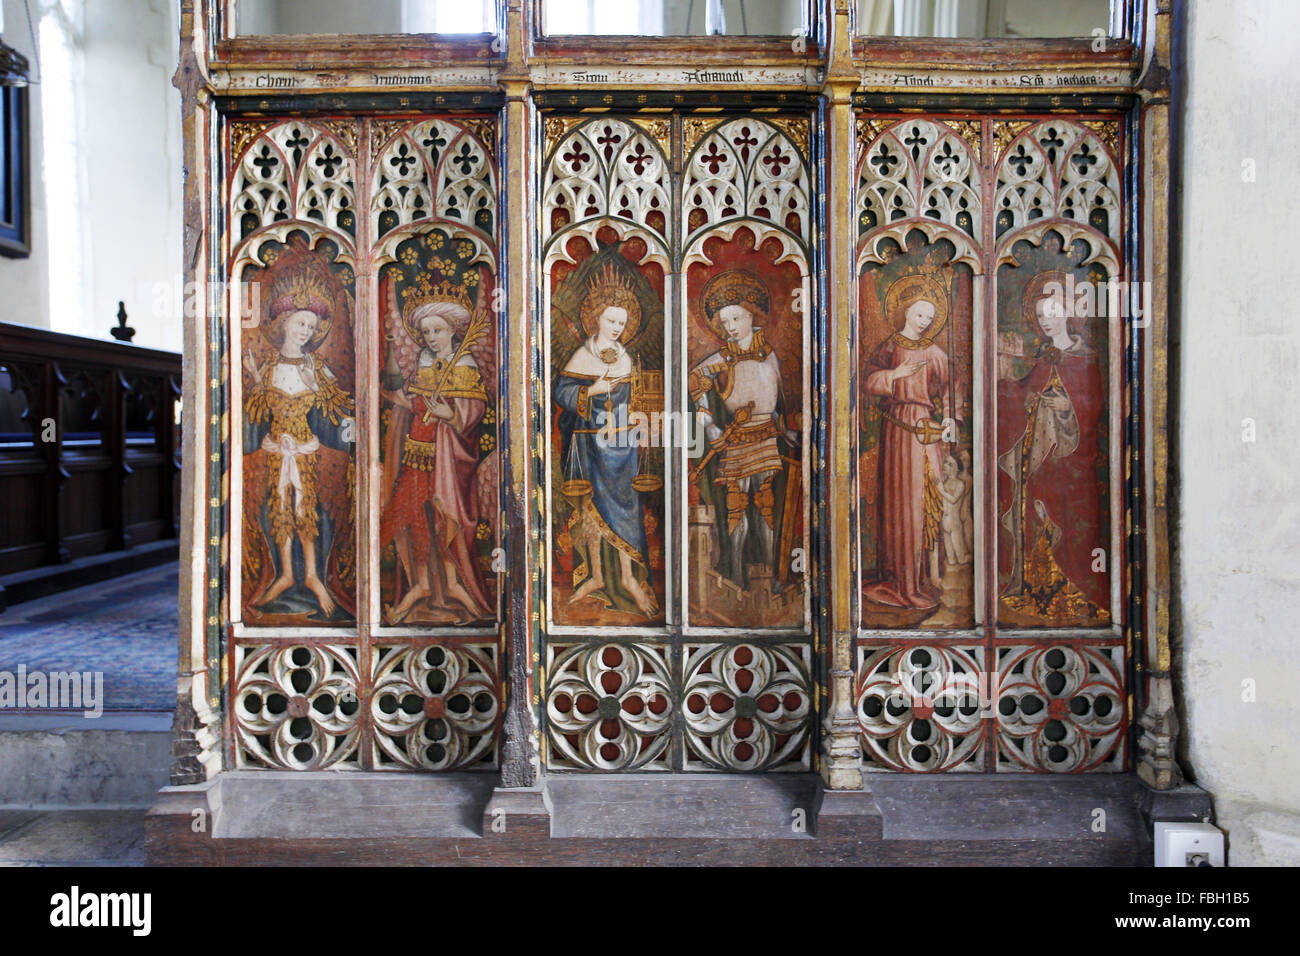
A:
[713,806]
[329,818]
[67,761]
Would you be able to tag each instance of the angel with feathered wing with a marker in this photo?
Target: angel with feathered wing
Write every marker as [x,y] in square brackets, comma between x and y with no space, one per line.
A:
[433,466]
[297,469]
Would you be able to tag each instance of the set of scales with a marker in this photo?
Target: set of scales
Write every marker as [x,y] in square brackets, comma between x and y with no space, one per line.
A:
[647,397]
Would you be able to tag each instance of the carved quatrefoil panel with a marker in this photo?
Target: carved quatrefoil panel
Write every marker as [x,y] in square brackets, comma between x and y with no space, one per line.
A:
[435,706]
[609,706]
[747,706]
[430,705]
[921,707]
[1061,708]
[297,707]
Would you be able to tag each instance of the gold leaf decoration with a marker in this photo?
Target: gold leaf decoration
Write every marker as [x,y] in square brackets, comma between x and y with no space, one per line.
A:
[558,127]
[661,131]
[345,131]
[868,130]
[1108,132]
[381,131]
[485,128]
[1004,131]
[971,133]
[243,132]
[794,127]
[695,128]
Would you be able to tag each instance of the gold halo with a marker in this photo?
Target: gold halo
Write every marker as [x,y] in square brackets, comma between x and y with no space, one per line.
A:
[735,287]
[1034,290]
[610,288]
[903,292]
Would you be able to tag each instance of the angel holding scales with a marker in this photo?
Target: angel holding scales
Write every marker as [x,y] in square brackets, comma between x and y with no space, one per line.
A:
[598,385]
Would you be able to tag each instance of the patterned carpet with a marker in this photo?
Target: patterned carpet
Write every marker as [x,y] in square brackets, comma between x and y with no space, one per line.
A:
[125,627]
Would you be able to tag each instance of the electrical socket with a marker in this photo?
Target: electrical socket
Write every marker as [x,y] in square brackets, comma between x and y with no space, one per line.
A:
[1188,844]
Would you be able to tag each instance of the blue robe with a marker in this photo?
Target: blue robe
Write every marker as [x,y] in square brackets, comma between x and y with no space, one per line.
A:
[609,467]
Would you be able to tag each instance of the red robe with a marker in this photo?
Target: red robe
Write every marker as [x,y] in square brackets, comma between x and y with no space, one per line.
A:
[1057,469]
[902,555]
[440,472]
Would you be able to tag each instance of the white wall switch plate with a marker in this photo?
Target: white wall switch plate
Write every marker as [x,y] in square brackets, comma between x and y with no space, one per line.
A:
[1189,844]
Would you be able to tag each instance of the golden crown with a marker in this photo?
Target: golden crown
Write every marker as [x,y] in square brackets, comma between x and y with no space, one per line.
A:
[736,287]
[424,290]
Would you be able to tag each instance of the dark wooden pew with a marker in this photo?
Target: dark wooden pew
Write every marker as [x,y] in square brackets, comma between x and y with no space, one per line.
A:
[89,459]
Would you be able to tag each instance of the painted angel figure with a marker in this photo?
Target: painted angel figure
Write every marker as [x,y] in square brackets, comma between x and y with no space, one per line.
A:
[434,452]
[298,429]
[593,391]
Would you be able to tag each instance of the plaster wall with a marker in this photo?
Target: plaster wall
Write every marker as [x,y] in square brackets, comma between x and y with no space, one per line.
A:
[1240,356]
[133,169]
[25,283]
[128,169]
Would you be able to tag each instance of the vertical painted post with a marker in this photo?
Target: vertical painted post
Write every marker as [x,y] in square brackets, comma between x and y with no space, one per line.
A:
[841,750]
[196,746]
[1158,721]
[519,745]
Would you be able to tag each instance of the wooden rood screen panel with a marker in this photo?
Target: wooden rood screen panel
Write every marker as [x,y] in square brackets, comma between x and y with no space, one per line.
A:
[363,264]
[677,436]
[675,416]
[988,439]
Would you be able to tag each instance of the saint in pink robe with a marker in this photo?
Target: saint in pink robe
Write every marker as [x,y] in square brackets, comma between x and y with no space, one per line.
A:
[903,578]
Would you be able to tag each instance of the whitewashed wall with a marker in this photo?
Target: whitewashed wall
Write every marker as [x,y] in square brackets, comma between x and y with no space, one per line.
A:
[25,283]
[133,168]
[129,169]
[1240,344]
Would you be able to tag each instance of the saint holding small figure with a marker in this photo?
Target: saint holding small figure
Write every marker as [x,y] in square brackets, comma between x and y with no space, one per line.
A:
[908,376]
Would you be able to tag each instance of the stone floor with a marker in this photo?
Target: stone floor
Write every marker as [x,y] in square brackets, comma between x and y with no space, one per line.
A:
[72,837]
[126,629]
